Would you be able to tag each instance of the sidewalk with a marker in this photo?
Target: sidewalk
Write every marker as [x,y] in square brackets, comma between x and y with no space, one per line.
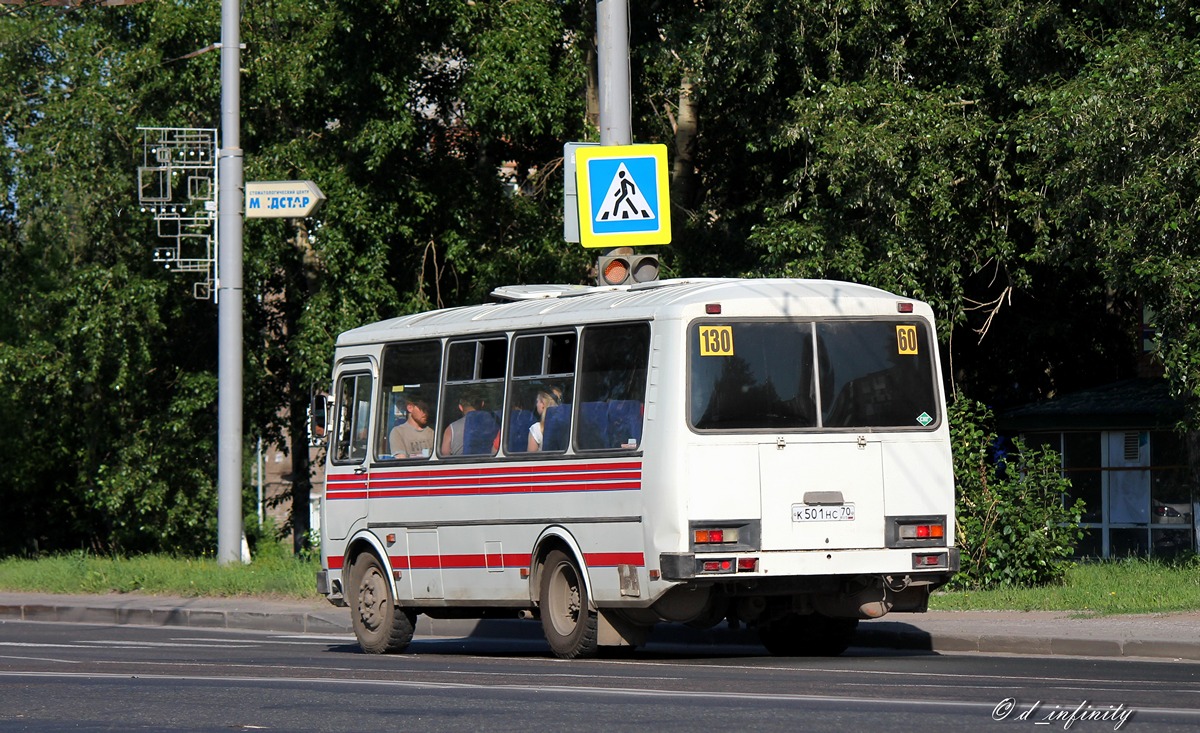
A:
[1156,636]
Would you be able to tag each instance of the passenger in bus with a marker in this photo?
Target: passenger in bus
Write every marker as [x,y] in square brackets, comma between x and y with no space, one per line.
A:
[413,438]
[545,400]
[452,436]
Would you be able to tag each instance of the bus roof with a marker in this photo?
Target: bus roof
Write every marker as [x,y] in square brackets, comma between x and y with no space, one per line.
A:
[549,306]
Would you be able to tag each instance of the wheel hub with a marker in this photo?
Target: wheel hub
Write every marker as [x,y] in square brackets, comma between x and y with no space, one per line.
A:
[371,595]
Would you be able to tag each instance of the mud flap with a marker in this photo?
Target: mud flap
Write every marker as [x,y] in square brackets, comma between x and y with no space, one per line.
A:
[613,629]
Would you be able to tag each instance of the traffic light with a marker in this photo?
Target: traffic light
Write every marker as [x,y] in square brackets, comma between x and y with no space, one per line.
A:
[627,269]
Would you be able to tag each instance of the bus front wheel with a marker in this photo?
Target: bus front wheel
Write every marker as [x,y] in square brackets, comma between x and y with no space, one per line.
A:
[379,625]
[568,621]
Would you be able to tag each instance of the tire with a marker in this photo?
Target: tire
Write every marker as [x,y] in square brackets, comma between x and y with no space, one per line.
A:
[813,635]
[568,621]
[379,626]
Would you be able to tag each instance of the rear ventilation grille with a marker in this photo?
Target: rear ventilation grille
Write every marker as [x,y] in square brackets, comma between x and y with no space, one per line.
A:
[1133,451]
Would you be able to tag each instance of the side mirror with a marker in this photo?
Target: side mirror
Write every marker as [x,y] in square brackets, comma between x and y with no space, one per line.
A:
[318,410]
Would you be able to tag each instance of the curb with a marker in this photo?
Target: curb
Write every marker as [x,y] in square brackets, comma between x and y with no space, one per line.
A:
[296,622]
[1057,646]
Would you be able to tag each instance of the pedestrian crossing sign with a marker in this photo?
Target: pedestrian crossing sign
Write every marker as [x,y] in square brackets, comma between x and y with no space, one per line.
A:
[624,195]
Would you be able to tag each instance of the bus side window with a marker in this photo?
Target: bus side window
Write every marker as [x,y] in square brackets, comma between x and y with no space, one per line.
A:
[353,414]
[411,372]
[474,389]
[540,392]
[613,366]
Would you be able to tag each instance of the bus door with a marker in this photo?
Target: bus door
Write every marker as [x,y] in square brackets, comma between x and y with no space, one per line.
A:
[822,495]
[400,483]
[408,486]
[347,474]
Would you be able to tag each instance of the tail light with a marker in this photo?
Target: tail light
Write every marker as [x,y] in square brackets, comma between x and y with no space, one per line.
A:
[929,561]
[916,531]
[922,531]
[715,536]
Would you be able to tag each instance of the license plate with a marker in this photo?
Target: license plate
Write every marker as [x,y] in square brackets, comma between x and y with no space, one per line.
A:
[823,513]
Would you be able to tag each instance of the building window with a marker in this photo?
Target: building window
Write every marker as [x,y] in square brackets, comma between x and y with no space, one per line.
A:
[1135,489]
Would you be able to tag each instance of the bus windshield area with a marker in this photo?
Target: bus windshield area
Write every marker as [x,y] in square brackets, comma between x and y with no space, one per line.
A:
[783,375]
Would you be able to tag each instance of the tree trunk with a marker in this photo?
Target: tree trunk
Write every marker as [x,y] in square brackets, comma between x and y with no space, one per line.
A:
[299,286]
[593,85]
[301,469]
[685,183]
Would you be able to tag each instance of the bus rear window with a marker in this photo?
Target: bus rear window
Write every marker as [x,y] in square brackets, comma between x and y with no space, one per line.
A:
[876,374]
[752,375]
[761,375]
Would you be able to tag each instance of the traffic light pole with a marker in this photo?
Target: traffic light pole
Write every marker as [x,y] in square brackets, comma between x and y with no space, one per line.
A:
[229,293]
[612,67]
[612,51]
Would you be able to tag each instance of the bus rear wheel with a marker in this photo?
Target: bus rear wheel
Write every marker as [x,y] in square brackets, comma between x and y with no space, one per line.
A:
[379,626]
[811,635]
[568,621]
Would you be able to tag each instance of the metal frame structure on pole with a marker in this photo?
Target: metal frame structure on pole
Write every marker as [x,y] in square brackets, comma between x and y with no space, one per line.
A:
[177,185]
[229,293]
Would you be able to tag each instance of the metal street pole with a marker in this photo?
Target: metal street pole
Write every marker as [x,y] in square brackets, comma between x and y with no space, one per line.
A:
[229,293]
[612,66]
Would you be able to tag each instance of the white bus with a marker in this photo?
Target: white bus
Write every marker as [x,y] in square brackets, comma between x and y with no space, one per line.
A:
[772,453]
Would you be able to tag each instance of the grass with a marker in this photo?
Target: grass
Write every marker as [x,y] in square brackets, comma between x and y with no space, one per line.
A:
[1094,588]
[1100,588]
[275,574]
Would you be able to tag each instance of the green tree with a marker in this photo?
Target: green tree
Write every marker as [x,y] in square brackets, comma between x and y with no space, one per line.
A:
[916,146]
[391,107]
[1118,166]
[106,368]
[1014,526]
[405,115]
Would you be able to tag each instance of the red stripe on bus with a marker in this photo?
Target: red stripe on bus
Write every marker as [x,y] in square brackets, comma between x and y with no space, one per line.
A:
[498,490]
[574,476]
[501,470]
[606,559]
[344,485]
[346,495]
[347,478]
[506,560]
[491,480]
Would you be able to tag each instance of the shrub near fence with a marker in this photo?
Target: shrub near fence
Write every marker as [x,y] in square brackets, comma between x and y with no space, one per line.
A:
[1015,526]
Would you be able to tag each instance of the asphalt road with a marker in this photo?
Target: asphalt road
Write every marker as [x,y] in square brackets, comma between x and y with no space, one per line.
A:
[59,676]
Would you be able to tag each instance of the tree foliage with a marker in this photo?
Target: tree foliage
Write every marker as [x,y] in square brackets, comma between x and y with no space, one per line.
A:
[1004,161]
[107,368]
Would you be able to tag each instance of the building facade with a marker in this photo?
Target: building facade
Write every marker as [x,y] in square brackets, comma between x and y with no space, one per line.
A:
[1135,472]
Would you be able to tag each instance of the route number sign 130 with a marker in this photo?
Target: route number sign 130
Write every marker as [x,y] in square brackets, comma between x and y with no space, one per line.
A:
[716,341]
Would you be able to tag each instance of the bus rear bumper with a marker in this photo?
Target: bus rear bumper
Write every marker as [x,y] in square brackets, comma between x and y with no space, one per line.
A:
[759,587]
[926,561]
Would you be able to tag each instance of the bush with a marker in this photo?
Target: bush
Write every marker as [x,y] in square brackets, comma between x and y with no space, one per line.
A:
[1014,525]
